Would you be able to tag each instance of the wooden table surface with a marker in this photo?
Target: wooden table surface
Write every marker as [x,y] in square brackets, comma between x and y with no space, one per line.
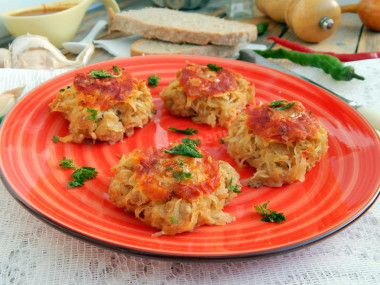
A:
[350,37]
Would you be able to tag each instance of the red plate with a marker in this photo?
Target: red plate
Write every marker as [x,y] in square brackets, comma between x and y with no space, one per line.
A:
[336,192]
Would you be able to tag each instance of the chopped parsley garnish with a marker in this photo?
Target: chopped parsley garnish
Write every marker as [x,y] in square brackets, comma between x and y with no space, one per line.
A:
[191,141]
[67,163]
[214,67]
[269,215]
[116,68]
[153,80]
[181,175]
[180,163]
[186,148]
[235,188]
[173,220]
[222,140]
[1,118]
[277,104]
[62,90]
[80,175]
[187,131]
[94,114]
[55,139]
[102,74]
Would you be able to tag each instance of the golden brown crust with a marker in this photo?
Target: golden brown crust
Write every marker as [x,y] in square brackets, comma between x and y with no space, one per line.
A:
[156,47]
[276,162]
[212,109]
[98,113]
[161,203]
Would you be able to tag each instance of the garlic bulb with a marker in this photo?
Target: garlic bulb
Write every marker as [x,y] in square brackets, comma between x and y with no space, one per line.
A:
[8,100]
[36,52]
[5,58]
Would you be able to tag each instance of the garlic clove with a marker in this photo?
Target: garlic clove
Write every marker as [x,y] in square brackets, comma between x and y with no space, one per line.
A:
[5,58]
[36,52]
[7,101]
[14,92]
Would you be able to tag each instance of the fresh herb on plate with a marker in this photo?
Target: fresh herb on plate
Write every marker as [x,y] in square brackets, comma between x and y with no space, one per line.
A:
[269,215]
[55,139]
[181,175]
[102,74]
[279,105]
[214,67]
[94,114]
[153,80]
[116,68]
[67,163]
[235,188]
[187,131]
[173,220]
[80,175]
[186,148]
[222,141]
[191,141]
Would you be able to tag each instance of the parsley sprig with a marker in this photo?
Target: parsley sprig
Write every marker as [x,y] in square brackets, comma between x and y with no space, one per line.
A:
[80,175]
[235,188]
[214,67]
[268,215]
[187,131]
[103,74]
[181,175]
[186,148]
[94,114]
[279,104]
[153,80]
[173,220]
[116,68]
[55,139]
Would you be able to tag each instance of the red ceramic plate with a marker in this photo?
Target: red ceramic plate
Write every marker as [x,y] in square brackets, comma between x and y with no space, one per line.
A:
[335,193]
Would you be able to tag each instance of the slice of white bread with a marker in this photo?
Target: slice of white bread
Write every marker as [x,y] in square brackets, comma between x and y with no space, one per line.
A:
[151,47]
[181,27]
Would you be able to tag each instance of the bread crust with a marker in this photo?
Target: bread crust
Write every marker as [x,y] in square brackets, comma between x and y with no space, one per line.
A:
[155,47]
[129,23]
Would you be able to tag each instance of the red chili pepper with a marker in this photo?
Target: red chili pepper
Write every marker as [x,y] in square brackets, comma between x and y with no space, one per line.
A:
[341,56]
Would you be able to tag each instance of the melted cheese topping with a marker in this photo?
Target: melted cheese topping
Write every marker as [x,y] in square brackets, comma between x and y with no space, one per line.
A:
[199,81]
[156,170]
[103,93]
[289,125]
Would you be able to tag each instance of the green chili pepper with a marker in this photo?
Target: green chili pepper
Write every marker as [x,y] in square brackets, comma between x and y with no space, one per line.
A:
[329,64]
[261,28]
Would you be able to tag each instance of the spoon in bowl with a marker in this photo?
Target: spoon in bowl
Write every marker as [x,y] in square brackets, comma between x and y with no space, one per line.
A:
[77,47]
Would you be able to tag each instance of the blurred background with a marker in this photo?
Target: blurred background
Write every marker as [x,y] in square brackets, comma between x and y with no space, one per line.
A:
[6,5]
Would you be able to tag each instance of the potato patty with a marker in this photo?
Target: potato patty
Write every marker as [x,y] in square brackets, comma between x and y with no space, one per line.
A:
[104,105]
[208,95]
[280,139]
[172,192]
